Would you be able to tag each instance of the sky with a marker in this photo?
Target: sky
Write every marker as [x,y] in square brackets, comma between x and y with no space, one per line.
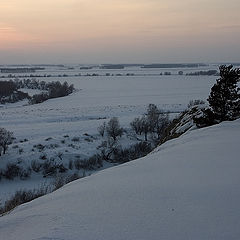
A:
[119,31]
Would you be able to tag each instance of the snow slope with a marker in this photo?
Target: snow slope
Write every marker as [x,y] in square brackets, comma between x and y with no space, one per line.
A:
[188,188]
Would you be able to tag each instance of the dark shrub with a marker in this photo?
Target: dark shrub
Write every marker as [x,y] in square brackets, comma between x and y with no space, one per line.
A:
[58,182]
[113,128]
[36,166]
[208,118]
[61,168]
[70,164]
[39,98]
[23,196]
[12,171]
[224,98]
[25,173]
[7,88]
[72,177]
[49,168]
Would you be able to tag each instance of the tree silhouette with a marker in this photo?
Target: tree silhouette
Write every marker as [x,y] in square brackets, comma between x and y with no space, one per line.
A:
[224,98]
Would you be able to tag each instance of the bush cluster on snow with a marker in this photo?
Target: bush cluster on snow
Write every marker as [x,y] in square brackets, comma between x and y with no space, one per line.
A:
[23,196]
[153,122]
[9,92]
[49,162]
[13,170]
[54,90]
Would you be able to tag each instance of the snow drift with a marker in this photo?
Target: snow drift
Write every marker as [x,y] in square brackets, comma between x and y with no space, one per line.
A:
[188,188]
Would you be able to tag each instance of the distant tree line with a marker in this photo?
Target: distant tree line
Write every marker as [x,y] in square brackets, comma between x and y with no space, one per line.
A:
[54,90]
[9,90]
[173,65]
[41,85]
[203,73]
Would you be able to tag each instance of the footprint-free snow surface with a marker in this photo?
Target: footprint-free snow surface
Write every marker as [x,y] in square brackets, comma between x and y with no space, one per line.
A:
[188,188]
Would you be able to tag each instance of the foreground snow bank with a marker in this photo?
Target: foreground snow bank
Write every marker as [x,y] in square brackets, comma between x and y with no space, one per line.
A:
[188,188]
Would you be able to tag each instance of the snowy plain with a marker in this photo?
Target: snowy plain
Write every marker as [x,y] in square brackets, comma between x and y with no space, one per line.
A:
[188,188]
[97,98]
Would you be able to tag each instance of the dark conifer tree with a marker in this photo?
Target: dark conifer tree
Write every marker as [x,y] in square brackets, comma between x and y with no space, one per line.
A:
[224,98]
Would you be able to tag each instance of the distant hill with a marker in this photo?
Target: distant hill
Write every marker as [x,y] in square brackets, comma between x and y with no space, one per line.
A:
[174,65]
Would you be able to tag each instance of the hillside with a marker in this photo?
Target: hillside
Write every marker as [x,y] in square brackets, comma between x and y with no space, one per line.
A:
[188,188]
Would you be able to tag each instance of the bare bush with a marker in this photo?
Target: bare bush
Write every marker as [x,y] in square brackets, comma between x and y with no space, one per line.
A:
[6,139]
[36,166]
[40,147]
[107,149]
[72,177]
[102,129]
[25,173]
[75,139]
[136,125]
[43,156]
[78,163]
[52,146]
[152,117]
[70,164]
[49,168]
[20,151]
[133,152]
[23,196]
[58,182]
[145,127]
[95,160]
[1,174]
[62,168]
[113,128]
[12,171]
[91,163]
[154,123]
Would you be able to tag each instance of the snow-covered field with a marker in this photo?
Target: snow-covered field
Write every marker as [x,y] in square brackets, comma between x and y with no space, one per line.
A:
[188,188]
[97,99]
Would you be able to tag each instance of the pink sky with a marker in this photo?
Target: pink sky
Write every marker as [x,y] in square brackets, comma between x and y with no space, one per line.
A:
[97,31]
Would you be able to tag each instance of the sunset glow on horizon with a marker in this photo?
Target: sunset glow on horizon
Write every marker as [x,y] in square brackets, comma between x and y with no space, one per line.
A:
[119,31]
